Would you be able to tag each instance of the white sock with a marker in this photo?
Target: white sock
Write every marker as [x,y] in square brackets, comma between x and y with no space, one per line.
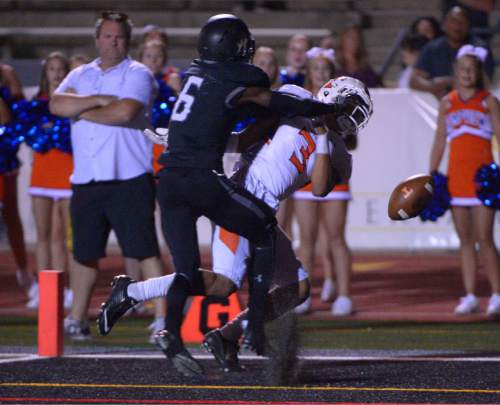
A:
[152,288]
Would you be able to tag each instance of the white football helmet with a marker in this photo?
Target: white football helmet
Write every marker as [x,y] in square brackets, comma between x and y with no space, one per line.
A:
[295,91]
[337,90]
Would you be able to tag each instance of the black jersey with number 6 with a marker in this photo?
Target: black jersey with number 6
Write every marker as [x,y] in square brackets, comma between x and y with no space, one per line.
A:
[206,111]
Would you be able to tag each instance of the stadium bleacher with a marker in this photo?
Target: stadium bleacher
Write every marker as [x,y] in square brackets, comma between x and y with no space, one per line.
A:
[30,29]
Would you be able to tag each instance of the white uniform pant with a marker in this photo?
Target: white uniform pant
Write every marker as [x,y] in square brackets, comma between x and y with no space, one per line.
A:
[232,254]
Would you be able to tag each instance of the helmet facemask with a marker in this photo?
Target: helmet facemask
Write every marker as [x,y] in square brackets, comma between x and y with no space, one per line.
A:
[356,114]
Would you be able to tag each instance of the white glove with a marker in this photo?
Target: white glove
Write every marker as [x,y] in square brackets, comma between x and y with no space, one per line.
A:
[158,136]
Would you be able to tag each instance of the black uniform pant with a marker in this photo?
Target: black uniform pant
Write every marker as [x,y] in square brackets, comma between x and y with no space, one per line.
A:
[185,194]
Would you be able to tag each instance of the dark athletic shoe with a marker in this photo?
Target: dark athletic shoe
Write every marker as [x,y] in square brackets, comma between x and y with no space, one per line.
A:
[224,351]
[116,305]
[181,359]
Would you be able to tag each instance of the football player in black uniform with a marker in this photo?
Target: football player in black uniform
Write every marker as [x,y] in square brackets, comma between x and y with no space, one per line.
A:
[218,88]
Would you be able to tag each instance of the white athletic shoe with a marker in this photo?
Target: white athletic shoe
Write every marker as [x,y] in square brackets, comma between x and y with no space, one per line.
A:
[33,297]
[76,330]
[494,305]
[467,305]
[342,306]
[68,298]
[157,325]
[303,308]
[328,290]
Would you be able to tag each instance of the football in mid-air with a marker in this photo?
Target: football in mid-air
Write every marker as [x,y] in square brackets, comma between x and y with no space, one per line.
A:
[410,197]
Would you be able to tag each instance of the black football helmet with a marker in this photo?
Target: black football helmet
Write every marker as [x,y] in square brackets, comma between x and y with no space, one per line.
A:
[226,38]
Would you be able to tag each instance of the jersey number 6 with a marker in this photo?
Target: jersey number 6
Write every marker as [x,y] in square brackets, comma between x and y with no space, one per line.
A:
[183,105]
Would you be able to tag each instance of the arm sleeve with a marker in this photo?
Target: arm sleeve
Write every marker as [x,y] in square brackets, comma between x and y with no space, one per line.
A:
[69,82]
[341,159]
[290,106]
[139,85]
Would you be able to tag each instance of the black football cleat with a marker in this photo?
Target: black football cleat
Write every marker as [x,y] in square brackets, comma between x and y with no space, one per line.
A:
[224,351]
[116,305]
[178,355]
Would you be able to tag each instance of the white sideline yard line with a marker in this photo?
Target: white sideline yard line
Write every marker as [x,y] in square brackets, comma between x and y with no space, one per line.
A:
[20,357]
[306,358]
[15,358]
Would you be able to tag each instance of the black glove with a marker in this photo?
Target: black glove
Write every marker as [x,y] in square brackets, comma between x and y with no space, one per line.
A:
[347,102]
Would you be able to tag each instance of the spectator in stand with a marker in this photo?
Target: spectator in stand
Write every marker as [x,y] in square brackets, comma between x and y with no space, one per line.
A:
[433,71]
[113,188]
[468,117]
[352,57]
[50,188]
[410,49]
[296,59]
[266,59]
[328,213]
[478,11]
[329,41]
[293,73]
[78,60]
[11,90]
[427,26]
[171,74]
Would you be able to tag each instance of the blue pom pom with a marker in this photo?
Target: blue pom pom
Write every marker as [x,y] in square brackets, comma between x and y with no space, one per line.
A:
[163,105]
[9,145]
[440,201]
[488,185]
[43,130]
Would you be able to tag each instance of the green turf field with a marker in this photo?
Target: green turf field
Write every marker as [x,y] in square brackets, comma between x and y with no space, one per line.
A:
[320,334]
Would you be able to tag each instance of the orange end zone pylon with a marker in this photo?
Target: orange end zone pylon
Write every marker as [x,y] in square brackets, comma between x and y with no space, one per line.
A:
[50,313]
[207,313]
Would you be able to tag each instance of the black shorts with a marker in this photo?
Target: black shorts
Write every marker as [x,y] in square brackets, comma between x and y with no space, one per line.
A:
[124,206]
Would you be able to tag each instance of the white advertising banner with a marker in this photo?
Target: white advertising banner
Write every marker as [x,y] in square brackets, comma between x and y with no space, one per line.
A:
[395,145]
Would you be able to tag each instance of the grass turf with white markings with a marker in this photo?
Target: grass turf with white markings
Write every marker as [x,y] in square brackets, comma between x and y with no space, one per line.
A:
[314,334]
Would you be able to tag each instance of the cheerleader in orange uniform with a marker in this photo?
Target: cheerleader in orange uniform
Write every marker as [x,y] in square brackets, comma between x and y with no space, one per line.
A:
[50,187]
[468,118]
[330,212]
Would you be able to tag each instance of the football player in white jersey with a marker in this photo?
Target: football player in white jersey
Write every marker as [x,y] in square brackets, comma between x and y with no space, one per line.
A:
[300,152]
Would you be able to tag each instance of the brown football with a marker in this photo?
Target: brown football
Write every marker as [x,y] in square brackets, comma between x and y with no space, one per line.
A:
[410,197]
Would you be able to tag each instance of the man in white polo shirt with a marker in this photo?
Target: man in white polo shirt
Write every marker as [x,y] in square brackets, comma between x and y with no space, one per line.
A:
[113,188]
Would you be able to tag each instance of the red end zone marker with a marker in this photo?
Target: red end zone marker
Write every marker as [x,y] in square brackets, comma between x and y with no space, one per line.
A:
[50,313]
